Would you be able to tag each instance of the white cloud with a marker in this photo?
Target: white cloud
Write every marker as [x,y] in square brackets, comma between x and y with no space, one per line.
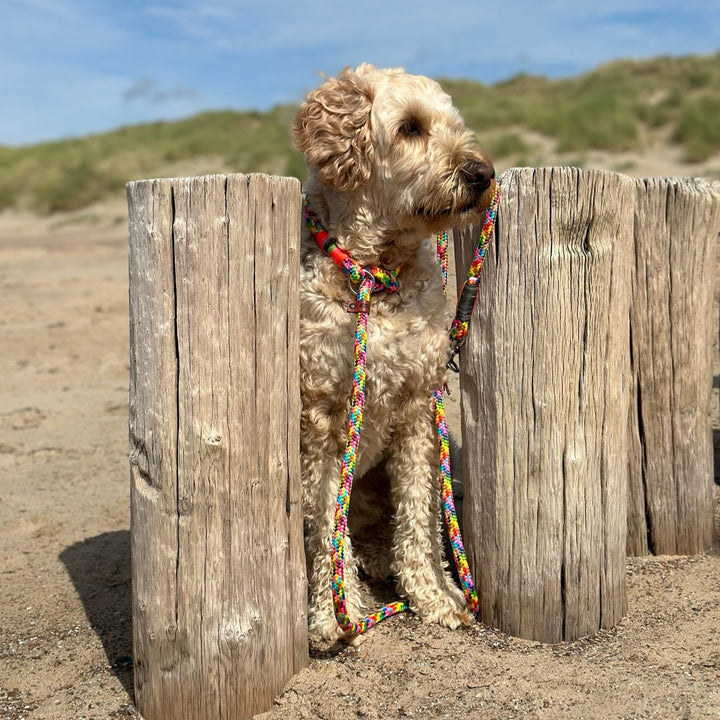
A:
[147,89]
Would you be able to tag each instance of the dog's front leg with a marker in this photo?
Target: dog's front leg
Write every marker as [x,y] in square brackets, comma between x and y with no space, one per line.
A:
[321,475]
[413,468]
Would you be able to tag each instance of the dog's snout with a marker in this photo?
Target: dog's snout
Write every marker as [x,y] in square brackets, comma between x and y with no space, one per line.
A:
[478,174]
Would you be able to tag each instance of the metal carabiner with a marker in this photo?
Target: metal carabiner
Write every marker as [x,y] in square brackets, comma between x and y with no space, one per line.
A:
[454,351]
[368,275]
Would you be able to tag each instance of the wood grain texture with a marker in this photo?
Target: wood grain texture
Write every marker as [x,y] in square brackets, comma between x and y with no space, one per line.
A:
[674,345]
[219,590]
[544,386]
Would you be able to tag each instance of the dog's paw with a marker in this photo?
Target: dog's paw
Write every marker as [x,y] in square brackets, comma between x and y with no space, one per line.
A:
[375,564]
[328,634]
[448,612]
[324,628]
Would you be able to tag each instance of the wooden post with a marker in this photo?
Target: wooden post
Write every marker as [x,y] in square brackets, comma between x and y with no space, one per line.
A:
[673,326]
[544,387]
[219,589]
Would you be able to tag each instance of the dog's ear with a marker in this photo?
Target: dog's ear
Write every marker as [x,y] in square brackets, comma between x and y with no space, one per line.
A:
[332,128]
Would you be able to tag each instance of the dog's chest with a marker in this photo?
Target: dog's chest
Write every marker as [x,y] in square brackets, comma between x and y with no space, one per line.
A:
[405,352]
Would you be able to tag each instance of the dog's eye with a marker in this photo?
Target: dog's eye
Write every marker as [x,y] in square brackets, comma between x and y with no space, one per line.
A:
[411,128]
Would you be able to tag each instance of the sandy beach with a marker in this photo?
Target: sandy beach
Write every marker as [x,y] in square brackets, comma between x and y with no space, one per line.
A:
[65,593]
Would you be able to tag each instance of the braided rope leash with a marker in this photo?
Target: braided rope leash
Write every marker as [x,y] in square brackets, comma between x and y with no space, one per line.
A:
[442,256]
[369,280]
[458,332]
[448,502]
[469,290]
[347,475]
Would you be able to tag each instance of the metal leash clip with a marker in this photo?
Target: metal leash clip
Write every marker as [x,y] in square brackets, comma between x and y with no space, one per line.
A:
[455,346]
[367,274]
[360,306]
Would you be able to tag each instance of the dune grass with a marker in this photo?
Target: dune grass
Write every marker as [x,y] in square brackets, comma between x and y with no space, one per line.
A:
[618,107]
[72,174]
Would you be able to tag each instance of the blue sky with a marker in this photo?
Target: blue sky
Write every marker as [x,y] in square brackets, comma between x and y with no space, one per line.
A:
[71,67]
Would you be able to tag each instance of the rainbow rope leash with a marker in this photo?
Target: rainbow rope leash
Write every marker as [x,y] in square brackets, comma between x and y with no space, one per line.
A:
[442,256]
[469,290]
[451,521]
[370,280]
[458,333]
[347,475]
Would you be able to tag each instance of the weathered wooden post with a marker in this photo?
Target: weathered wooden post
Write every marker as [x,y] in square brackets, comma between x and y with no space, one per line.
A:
[673,326]
[544,387]
[218,567]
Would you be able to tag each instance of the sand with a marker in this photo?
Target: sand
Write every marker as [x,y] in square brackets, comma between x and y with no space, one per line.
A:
[65,594]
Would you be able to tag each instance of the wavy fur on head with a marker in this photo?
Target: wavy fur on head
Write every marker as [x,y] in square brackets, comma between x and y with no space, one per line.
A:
[390,162]
[331,128]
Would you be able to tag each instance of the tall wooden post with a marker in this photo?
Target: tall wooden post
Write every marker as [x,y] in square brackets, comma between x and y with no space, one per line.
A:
[219,590]
[544,387]
[674,346]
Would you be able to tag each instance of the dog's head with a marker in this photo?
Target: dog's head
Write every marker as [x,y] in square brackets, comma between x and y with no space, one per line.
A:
[396,140]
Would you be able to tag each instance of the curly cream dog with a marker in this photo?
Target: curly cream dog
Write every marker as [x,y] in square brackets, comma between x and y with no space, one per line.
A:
[390,163]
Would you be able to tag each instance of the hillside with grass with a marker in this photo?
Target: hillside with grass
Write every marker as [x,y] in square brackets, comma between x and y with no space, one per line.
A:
[653,107]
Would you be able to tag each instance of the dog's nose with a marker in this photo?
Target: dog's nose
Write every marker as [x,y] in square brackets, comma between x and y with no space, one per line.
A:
[478,174]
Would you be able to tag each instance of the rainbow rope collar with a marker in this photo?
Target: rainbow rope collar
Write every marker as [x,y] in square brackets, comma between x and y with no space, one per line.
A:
[383,279]
[370,280]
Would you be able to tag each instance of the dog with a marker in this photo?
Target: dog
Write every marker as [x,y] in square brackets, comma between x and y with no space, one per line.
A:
[390,162]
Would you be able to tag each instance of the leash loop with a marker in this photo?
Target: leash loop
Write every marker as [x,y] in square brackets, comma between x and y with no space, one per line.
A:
[383,279]
[347,476]
[365,273]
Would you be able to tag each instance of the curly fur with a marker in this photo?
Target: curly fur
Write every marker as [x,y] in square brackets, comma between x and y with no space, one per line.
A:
[331,128]
[390,162]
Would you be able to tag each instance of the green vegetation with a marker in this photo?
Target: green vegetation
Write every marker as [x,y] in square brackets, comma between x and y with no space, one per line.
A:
[617,107]
[72,174]
[699,126]
[622,106]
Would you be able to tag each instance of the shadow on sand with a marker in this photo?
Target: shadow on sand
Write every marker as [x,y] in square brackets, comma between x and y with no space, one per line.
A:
[100,570]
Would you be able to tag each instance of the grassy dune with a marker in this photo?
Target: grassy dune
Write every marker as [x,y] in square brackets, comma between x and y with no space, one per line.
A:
[620,107]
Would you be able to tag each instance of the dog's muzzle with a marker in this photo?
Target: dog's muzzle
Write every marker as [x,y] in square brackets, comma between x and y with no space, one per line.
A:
[477,177]
[472,179]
